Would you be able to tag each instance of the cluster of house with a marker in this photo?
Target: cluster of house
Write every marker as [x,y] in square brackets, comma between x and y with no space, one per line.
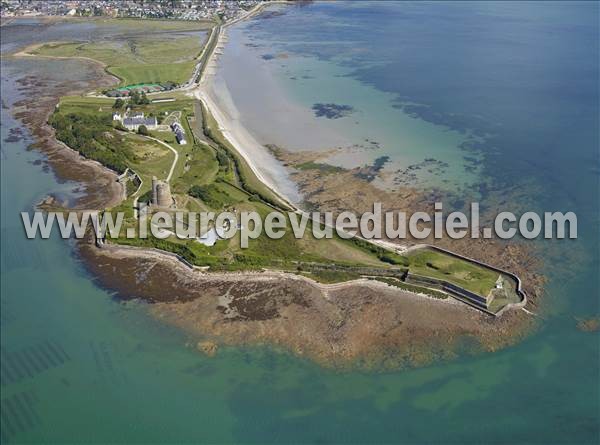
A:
[179,133]
[168,9]
[227,10]
[143,88]
[133,121]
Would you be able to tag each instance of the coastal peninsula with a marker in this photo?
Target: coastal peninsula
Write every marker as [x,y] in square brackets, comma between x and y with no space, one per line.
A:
[157,127]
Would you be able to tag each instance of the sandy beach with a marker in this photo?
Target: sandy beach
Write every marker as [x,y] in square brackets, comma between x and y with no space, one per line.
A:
[242,115]
[263,164]
[216,97]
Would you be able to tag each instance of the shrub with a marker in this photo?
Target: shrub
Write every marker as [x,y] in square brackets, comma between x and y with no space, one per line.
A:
[89,135]
[393,259]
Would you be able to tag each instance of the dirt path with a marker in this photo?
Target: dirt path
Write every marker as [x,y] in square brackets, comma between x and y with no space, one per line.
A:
[170,175]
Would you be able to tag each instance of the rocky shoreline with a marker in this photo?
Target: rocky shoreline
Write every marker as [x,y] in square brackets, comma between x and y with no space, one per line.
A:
[99,186]
[363,324]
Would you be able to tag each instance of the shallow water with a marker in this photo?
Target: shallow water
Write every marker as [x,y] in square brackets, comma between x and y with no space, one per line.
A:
[78,366]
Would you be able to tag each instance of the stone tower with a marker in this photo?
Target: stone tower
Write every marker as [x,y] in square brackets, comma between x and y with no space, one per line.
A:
[161,193]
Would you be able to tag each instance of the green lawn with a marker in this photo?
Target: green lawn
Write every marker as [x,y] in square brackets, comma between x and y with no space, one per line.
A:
[153,73]
[468,275]
[151,159]
[201,168]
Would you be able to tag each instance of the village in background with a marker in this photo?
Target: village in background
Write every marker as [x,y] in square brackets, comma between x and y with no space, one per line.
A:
[158,9]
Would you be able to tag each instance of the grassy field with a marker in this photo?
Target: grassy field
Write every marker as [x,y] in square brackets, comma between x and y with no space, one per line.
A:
[86,105]
[150,159]
[201,169]
[134,58]
[468,275]
[153,73]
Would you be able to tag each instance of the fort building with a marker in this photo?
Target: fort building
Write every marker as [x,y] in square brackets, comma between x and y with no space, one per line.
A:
[161,193]
[135,120]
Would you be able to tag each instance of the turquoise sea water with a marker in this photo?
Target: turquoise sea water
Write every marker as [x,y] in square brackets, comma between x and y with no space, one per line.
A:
[79,366]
